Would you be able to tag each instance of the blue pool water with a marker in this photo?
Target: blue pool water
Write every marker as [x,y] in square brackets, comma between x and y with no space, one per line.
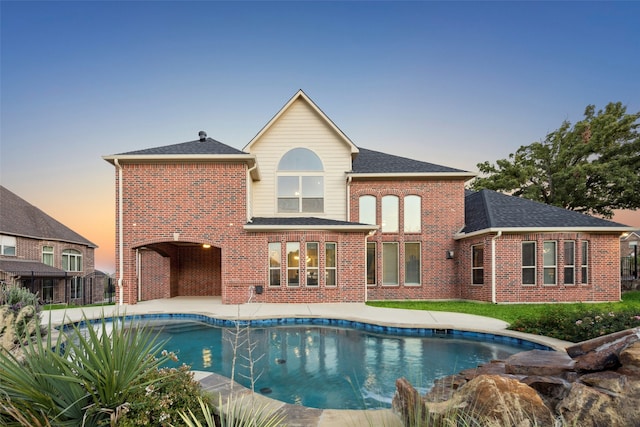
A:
[323,363]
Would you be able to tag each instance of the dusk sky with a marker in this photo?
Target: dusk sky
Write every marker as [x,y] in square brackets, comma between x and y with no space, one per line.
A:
[452,83]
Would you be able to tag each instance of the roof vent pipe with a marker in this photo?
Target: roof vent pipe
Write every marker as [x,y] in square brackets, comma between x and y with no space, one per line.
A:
[202,135]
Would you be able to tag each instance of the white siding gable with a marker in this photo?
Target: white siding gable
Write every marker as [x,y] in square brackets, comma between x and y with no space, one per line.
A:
[301,125]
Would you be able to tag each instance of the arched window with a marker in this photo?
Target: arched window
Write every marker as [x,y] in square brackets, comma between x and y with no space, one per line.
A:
[390,213]
[300,182]
[367,209]
[412,217]
[71,260]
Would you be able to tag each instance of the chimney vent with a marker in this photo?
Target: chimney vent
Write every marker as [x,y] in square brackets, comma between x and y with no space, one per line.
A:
[202,135]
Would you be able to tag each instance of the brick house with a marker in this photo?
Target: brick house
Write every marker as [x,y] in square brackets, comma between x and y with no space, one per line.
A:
[43,255]
[303,215]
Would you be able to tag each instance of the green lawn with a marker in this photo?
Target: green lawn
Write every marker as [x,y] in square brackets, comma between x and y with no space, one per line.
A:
[512,312]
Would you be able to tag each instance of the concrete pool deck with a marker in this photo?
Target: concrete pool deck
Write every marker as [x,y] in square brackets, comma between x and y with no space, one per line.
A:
[297,415]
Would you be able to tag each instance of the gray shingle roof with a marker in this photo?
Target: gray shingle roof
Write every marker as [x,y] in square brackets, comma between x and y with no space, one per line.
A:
[19,217]
[486,209]
[369,161]
[208,146]
[18,267]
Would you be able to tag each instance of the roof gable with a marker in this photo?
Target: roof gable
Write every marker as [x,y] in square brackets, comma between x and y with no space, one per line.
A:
[20,218]
[301,96]
[488,210]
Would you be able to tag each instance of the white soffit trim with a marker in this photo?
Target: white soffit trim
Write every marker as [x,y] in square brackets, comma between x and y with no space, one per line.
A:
[466,175]
[521,230]
[344,228]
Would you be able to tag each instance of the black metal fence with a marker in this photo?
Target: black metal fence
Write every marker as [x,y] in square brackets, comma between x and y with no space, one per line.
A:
[629,268]
[94,288]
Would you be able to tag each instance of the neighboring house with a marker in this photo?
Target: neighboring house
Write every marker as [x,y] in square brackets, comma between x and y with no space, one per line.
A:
[40,253]
[629,251]
[629,243]
[303,215]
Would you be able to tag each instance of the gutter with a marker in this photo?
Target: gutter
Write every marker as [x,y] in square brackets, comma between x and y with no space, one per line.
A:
[120,244]
[249,207]
[493,266]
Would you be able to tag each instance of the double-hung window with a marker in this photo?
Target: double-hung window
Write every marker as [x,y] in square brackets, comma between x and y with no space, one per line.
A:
[389,263]
[8,245]
[412,263]
[528,263]
[312,264]
[47,255]
[584,267]
[372,278]
[293,264]
[330,265]
[549,259]
[274,264]
[569,262]
[477,264]
[300,182]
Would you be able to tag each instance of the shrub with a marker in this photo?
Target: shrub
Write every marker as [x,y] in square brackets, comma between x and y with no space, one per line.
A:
[170,392]
[87,379]
[577,324]
[19,316]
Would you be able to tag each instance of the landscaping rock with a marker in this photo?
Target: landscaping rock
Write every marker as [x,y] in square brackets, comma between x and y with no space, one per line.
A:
[598,386]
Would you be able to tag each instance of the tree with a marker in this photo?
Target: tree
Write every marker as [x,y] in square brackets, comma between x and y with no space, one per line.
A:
[591,167]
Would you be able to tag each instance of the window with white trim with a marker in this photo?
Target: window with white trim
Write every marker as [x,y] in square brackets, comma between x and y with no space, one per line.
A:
[71,260]
[389,263]
[312,263]
[367,209]
[528,263]
[477,264]
[274,263]
[8,245]
[372,277]
[293,264]
[412,214]
[300,180]
[47,255]
[549,260]
[412,263]
[569,262]
[390,214]
[330,265]
[584,267]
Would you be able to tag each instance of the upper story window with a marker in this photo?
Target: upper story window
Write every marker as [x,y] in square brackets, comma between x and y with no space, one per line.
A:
[47,255]
[71,260]
[8,245]
[390,214]
[367,209]
[300,182]
[412,217]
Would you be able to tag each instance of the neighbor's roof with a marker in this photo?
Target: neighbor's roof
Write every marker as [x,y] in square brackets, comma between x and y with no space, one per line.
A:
[20,218]
[370,163]
[490,211]
[306,223]
[20,267]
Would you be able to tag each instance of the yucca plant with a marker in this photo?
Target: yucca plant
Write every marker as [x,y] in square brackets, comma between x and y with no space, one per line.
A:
[84,378]
[236,412]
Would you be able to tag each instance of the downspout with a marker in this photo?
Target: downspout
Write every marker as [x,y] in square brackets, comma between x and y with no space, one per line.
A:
[249,207]
[349,178]
[493,266]
[120,245]
[138,277]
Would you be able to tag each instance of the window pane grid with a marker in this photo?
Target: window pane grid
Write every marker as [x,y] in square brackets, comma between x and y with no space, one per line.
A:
[312,264]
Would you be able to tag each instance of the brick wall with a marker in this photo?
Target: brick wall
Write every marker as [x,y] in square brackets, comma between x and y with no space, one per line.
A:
[442,212]
[603,281]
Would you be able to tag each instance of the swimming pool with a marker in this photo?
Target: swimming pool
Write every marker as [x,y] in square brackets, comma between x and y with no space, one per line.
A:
[326,363]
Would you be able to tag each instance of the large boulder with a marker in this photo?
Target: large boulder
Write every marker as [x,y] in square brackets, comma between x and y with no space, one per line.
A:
[602,353]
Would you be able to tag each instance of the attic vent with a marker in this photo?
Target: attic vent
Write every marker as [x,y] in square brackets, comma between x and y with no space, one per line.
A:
[202,135]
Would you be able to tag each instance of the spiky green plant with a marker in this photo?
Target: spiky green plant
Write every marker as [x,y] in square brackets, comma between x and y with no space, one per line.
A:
[85,377]
[240,411]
